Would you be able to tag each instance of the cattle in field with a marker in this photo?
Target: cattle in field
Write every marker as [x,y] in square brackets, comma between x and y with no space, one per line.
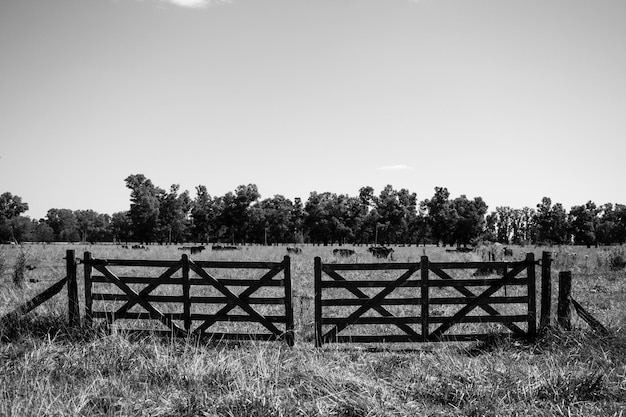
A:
[343,252]
[381,252]
[197,249]
[294,250]
[138,247]
[220,247]
[508,252]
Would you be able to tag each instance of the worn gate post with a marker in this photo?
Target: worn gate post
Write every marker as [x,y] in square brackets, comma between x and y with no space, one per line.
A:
[186,298]
[88,299]
[72,289]
[532,295]
[424,297]
[289,326]
[318,301]
[564,312]
[546,291]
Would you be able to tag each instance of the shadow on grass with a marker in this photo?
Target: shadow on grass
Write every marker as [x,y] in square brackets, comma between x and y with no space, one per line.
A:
[33,326]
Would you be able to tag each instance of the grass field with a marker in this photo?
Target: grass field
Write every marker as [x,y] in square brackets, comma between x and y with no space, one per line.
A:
[48,369]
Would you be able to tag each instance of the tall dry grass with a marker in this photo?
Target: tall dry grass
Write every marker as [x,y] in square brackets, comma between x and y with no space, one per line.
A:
[48,369]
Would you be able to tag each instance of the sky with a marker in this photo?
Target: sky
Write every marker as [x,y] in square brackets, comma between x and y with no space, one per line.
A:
[509,100]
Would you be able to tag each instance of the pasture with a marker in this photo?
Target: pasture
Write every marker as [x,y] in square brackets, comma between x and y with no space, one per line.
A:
[47,368]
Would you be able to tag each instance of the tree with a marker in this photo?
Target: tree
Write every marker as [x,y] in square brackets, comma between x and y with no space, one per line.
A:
[606,228]
[121,226]
[21,228]
[551,223]
[504,224]
[620,228]
[317,220]
[11,206]
[297,218]
[234,215]
[270,220]
[396,209]
[64,224]
[205,211]
[442,216]
[583,221]
[43,232]
[470,221]
[491,227]
[173,215]
[144,207]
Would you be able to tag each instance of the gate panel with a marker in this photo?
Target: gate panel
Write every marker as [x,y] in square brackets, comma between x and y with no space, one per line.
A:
[440,309]
[190,293]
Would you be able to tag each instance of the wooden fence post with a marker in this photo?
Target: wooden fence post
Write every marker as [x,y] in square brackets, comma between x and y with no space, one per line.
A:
[88,298]
[532,296]
[564,312]
[72,289]
[289,326]
[424,296]
[318,301]
[546,291]
[187,299]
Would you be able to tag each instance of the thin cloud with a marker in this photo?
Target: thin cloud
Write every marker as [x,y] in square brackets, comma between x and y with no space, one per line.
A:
[196,4]
[398,167]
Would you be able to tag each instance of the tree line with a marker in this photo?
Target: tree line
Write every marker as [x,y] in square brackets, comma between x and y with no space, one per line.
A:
[392,216]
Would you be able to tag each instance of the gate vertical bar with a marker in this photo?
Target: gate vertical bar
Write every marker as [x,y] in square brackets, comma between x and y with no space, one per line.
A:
[546,291]
[88,298]
[318,301]
[424,297]
[186,297]
[73,306]
[289,327]
[532,296]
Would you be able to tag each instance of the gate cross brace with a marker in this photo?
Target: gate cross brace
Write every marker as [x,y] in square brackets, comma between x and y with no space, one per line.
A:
[136,299]
[476,302]
[235,301]
[145,291]
[371,303]
[380,309]
[468,293]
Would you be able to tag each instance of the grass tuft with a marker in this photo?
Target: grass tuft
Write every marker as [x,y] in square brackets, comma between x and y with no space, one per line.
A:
[19,268]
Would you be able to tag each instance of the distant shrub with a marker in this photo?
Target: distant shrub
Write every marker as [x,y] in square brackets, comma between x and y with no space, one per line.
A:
[19,268]
[2,264]
[616,260]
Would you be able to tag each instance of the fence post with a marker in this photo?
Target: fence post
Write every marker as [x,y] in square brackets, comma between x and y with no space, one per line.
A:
[318,301]
[564,312]
[72,289]
[289,326]
[187,299]
[88,298]
[532,295]
[424,296]
[546,291]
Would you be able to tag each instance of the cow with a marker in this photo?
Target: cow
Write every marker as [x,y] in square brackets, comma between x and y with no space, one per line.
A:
[294,250]
[138,247]
[197,249]
[343,252]
[508,252]
[220,247]
[381,251]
